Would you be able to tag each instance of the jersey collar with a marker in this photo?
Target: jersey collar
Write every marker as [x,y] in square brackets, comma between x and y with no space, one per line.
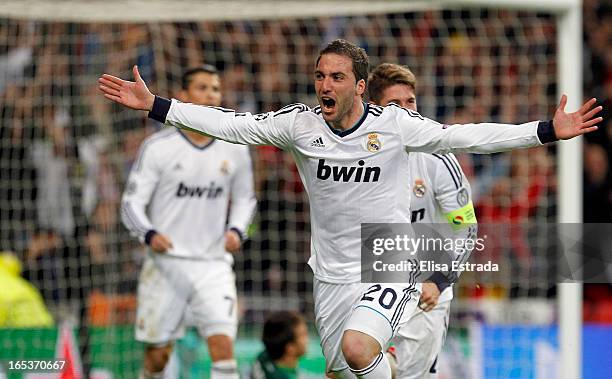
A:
[199,147]
[342,133]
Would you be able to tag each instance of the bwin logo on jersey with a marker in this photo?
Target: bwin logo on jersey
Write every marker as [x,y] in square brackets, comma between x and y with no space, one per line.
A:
[211,192]
[348,173]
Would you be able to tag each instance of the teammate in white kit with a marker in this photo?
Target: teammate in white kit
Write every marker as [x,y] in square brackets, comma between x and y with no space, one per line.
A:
[187,180]
[440,195]
[352,159]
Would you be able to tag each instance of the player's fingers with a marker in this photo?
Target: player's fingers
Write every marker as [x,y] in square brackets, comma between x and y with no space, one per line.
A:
[113,79]
[113,98]
[591,122]
[591,113]
[110,83]
[109,91]
[587,105]
[136,74]
[588,130]
[563,102]
[426,306]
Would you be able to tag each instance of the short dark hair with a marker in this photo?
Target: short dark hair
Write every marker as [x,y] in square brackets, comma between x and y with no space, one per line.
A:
[205,68]
[361,63]
[387,74]
[279,331]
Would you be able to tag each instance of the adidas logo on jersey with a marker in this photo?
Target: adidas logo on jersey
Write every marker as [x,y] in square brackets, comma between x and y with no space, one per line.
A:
[318,142]
[211,192]
[348,173]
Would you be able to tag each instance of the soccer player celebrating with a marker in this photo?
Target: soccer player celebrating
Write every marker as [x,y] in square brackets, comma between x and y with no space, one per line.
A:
[441,192]
[186,180]
[351,157]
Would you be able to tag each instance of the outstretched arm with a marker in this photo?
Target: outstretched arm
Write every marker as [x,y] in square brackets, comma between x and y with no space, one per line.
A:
[422,134]
[244,128]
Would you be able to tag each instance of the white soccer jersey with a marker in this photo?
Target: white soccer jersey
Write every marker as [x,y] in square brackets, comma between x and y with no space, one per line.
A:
[440,194]
[353,176]
[187,189]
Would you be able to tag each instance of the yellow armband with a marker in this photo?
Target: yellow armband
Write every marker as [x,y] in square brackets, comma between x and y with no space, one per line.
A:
[462,217]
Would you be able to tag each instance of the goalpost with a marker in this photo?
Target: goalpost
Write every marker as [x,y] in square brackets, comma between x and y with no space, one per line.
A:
[55,49]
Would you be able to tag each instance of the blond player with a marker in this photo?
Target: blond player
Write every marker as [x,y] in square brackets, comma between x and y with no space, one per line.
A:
[441,196]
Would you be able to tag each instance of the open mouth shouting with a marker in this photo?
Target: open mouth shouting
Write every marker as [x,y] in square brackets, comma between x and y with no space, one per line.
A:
[328,105]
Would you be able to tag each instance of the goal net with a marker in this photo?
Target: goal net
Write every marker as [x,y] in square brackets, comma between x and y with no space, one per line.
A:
[65,153]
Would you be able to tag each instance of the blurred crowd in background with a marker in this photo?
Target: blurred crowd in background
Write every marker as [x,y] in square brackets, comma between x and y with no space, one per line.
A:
[65,151]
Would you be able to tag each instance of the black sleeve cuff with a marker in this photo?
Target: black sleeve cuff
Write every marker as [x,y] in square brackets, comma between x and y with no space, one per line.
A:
[440,281]
[150,234]
[546,132]
[240,234]
[161,107]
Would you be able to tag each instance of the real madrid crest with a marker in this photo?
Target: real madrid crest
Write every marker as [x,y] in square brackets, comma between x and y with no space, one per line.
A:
[419,188]
[373,145]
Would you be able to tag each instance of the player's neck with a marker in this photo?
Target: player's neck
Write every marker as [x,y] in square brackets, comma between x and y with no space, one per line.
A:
[287,361]
[352,118]
[196,138]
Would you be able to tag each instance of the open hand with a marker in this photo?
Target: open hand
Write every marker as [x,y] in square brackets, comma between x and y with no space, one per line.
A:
[134,95]
[570,125]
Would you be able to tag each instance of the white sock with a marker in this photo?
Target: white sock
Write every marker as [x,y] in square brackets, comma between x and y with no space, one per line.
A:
[226,369]
[379,368]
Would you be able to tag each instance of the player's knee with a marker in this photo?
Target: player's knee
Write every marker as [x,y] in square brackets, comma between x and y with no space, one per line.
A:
[220,347]
[359,349]
[156,358]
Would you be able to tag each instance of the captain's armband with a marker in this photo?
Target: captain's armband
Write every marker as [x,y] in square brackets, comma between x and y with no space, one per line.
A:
[462,217]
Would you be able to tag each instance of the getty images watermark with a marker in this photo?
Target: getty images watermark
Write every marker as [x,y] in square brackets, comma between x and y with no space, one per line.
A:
[514,255]
[410,246]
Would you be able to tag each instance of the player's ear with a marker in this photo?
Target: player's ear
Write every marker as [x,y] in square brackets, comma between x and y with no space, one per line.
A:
[360,87]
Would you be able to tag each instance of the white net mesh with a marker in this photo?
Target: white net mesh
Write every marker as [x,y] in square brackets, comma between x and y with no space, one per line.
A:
[65,153]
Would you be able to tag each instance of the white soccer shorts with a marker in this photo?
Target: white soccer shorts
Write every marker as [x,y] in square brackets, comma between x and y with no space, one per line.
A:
[377,310]
[418,343]
[170,288]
